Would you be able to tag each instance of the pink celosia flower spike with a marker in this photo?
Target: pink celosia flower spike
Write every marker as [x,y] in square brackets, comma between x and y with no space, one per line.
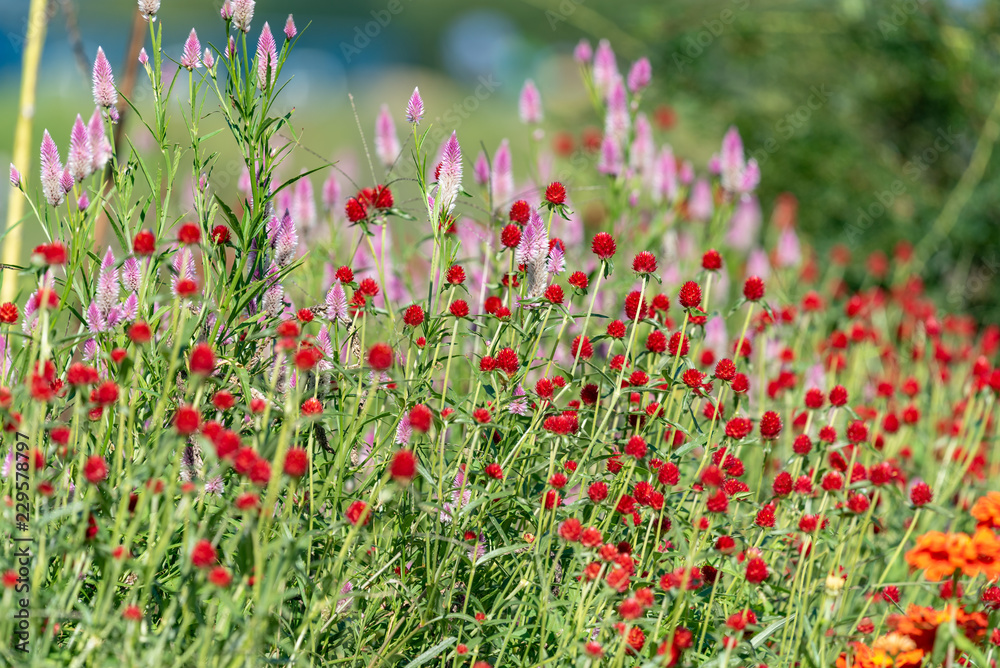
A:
[149,8]
[105,94]
[15,176]
[736,173]
[336,303]
[386,140]
[290,30]
[191,56]
[583,52]
[617,121]
[243,14]
[415,107]
[81,158]
[226,11]
[640,75]
[209,58]
[530,104]
[503,175]
[267,58]
[143,58]
[481,169]
[611,162]
[52,171]
[605,67]
[100,147]
[331,193]
[450,178]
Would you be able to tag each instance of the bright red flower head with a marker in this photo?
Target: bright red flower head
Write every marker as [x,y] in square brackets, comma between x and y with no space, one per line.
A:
[690,295]
[95,470]
[644,263]
[189,233]
[380,357]
[403,466]
[296,462]
[8,313]
[203,555]
[510,237]
[202,361]
[555,194]
[144,243]
[520,212]
[753,289]
[604,246]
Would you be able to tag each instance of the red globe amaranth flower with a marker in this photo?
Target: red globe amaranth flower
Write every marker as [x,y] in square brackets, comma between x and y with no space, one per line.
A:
[770,425]
[186,288]
[203,555]
[189,233]
[8,313]
[459,308]
[380,357]
[506,360]
[132,613]
[421,418]
[604,246]
[144,243]
[520,212]
[644,263]
[579,280]
[296,462]
[355,210]
[690,295]
[95,470]
[711,260]
[456,275]
[753,289]
[554,294]
[202,360]
[403,467]
[510,237]
[357,512]
[187,420]
[571,530]
[220,235]
[414,316]
[756,571]
[555,194]
[838,396]
[220,577]
[920,494]
[309,407]
[345,275]
[582,349]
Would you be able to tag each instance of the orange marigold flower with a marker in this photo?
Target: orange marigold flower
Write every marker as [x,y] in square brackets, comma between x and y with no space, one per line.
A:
[938,554]
[987,510]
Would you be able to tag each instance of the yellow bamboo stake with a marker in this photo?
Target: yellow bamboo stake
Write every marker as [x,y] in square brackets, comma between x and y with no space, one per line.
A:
[35,38]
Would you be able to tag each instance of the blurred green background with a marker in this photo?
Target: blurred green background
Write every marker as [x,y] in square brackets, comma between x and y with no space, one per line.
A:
[841,101]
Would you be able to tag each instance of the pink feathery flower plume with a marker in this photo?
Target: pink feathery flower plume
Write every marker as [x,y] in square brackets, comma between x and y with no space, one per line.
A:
[52,171]
[107,283]
[242,14]
[665,176]
[336,303]
[744,225]
[583,52]
[605,67]
[105,94]
[611,162]
[286,241]
[267,58]
[208,58]
[226,11]
[132,274]
[148,9]
[290,30]
[15,176]
[643,148]
[386,141]
[700,204]
[325,346]
[450,178]
[533,252]
[331,194]
[404,431]
[617,121]
[530,104]
[789,252]
[304,205]
[191,56]
[481,169]
[100,147]
[640,75]
[66,181]
[737,174]
[230,49]
[415,107]
[80,162]
[503,175]
[143,57]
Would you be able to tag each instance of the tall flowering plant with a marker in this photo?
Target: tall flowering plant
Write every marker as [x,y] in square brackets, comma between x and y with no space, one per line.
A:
[484,426]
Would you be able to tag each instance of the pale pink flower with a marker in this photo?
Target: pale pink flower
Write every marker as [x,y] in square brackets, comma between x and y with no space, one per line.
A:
[15,176]
[450,178]
[267,58]
[100,146]
[789,252]
[331,193]
[243,14]
[415,107]
[52,171]
[503,175]
[639,75]
[481,169]
[336,303]
[386,141]
[617,121]
[148,9]
[583,52]
[611,162]
[81,158]
[605,67]
[736,173]
[290,30]
[208,58]
[191,56]
[744,224]
[700,206]
[530,105]
[105,94]
[143,57]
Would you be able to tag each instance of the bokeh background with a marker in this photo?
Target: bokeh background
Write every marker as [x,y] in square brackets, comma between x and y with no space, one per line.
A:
[847,104]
